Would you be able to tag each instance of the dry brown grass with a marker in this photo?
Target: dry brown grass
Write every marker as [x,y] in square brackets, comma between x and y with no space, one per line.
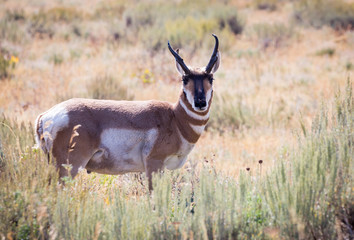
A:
[273,81]
[273,86]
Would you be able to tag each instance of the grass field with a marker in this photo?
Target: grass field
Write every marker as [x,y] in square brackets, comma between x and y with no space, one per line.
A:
[283,95]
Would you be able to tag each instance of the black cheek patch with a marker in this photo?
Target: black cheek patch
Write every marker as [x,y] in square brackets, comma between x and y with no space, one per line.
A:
[185,80]
[210,79]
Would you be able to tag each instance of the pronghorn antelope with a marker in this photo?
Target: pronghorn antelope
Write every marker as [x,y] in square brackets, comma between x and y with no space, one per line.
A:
[116,137]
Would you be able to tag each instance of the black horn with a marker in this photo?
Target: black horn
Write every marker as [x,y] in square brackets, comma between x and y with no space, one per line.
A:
[214,57]
[179,59]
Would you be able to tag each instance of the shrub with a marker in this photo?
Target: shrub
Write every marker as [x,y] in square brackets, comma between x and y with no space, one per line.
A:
[317,13]
[107,87]
[15,15]
[349,66]
[40,25]
[56,58]
[7,63]
[60,14]
[308,196]
[326,51]
[10,26]
[316,185]
[270,5]
[272,35]
[230,113]
[154,40]
[140,16]
[189,31]
[227,17]
[186,24]
[110,10]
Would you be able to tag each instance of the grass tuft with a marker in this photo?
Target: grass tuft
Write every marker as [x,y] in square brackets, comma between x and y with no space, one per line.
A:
[326,51]
[336,14]
[273,35]
[270,5]
[310,195]
[107,87]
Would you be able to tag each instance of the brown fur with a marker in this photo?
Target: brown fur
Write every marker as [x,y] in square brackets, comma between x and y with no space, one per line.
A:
[93,116]
[78,143]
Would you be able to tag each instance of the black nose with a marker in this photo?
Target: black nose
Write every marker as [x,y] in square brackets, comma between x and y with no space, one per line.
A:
[200,103]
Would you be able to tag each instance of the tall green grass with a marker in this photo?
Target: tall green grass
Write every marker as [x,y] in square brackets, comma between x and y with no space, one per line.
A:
[307,195]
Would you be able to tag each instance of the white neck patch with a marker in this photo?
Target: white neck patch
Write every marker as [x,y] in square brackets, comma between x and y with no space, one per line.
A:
[198,129]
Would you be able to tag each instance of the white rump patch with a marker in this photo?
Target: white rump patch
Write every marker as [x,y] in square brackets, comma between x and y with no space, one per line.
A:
[50,123]
[36,135]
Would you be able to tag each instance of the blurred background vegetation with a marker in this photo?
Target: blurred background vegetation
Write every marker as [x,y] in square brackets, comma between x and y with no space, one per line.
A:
[282,95]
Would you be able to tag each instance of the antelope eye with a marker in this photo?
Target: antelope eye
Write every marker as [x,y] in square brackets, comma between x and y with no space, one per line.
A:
[185,81]
[211,80]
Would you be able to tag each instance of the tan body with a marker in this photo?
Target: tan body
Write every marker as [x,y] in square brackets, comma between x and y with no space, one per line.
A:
[115,137]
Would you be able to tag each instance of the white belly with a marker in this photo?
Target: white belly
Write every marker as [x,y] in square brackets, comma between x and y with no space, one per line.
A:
[125,149]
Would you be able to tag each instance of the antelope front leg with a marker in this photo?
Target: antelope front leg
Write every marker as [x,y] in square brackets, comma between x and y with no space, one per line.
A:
[151,166]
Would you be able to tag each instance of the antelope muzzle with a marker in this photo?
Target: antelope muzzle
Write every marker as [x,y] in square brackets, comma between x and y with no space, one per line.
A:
[200,100]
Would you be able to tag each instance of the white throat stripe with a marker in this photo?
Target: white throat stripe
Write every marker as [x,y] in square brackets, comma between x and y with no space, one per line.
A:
[192,114]
[197,129]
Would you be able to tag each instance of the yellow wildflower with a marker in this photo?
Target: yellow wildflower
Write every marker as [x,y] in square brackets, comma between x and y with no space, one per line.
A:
[14,59]
[147,76]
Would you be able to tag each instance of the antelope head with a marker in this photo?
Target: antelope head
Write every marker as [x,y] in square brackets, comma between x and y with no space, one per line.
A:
[198,82]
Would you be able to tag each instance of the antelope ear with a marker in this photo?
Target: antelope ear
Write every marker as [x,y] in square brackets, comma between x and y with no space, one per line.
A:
[217,63]
[179,67]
